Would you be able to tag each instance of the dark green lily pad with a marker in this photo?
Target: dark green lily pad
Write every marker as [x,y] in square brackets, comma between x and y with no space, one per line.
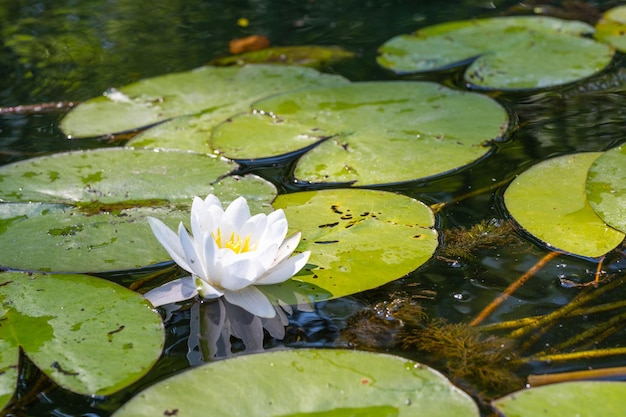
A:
[612,28]
[205,89]
[304,55]
[549,201]
[97,201]
[580,399]
[378,132]
[514,53]
[88,335]
[359,239]
[606,187]
[305,382]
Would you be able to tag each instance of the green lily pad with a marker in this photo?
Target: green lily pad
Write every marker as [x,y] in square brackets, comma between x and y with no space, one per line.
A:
[612,28]
[205,89]
[359,239]
[549,201]
[606,187]
[304,382]
[305,55]
[523,52]
[580,399]
[97,201]
[111,176]
[378,132]
[88,335]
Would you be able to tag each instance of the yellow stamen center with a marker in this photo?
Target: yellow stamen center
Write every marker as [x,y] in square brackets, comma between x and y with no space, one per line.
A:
[234,243]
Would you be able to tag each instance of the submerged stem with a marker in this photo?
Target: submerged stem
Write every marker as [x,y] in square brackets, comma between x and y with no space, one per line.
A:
[512,288]
[538,380]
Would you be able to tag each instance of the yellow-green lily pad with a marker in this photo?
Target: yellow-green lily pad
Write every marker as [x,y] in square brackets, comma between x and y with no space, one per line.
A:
[359,239]
[372,132]
[606,187]
[524,52]
[580,399]
[305,382]
[550,202]
[89,335]
[612,28]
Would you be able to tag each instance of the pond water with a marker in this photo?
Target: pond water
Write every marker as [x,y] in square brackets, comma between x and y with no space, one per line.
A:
[64,51]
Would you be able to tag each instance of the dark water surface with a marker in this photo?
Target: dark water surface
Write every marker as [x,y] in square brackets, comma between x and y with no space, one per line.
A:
[61,50]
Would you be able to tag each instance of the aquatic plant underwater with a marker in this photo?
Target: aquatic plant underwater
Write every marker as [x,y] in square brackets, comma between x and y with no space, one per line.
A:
[369,173]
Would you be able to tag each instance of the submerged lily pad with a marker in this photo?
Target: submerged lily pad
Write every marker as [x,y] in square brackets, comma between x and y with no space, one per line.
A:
[205,89]
[97,201]
[305,382]
[376,132]
[581,399]
[359,239]
[549,201]
[305,55]
[606,187]
[523,52]
[88,335]
[612,28]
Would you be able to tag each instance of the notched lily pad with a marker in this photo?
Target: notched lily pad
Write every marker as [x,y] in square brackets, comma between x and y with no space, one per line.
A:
[204,89]
[612,28]
[359,239]
[513,53]
[89,335]
[606,187]
[305,382]
[549,201]
[304,55]
[372,132]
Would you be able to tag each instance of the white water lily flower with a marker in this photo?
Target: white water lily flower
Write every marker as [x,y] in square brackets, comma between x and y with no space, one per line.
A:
[228,254]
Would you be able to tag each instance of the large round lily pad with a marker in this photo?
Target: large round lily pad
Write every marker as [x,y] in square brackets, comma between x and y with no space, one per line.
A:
[580,399]
[305,383]
[97,201]
[378,132]
[205,89]
[522,52]
[606,187]
[89,335]
[359,239]
[549,201]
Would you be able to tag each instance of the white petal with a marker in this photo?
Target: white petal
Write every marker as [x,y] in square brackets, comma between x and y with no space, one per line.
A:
[171,292]
[170,241]
[195,260]
[240,270]
[205,289]
[277,226]
[286,249]
[252,300]
[254,227]
[206,214]
[285,270]
[237,213]
[212,200]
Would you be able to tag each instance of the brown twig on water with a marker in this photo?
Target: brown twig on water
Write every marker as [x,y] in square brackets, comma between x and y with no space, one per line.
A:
[56,107]
[512,288]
